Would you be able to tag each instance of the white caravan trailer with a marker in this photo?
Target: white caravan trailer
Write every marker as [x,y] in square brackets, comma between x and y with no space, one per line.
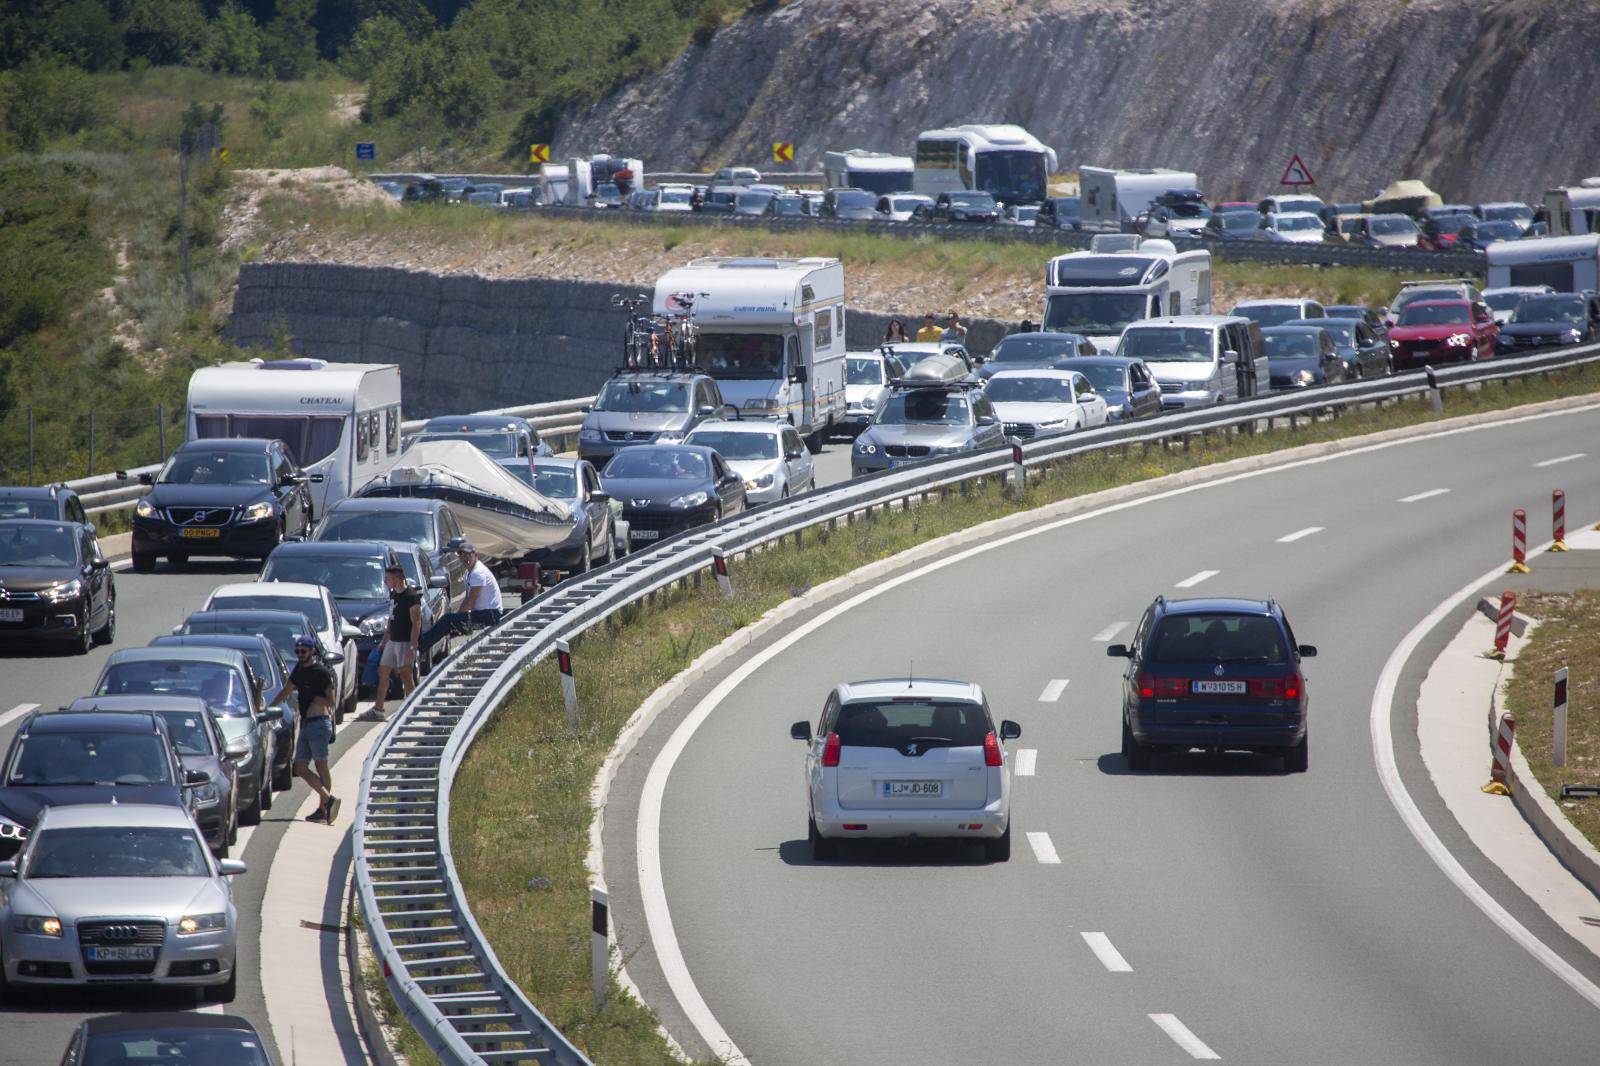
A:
[340,420]
[1566,264]
[583,175]
[1111,199]
[771,331]
[876,172]
[1099,293]
[555,180]
[1574,210]
[1008,162]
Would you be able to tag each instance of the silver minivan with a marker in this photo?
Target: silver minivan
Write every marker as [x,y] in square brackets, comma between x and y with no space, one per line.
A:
[1200,360]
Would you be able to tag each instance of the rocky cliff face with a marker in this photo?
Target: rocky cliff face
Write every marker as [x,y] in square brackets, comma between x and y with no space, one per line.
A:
[1481,100]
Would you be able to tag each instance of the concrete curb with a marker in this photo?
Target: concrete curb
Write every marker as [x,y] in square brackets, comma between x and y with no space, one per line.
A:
[1551,826]
[373,1032]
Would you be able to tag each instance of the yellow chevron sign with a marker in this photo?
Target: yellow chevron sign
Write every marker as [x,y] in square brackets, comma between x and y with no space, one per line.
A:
[782,152]
[538,153]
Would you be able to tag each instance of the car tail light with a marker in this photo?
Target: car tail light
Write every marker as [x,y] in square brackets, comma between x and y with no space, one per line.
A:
[1147,687]
[830,750]
[1267,688]
[991,750]
[1152,687]
[1293,686]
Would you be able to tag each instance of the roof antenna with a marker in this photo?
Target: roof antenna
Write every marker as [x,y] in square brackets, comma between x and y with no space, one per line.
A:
[911,672]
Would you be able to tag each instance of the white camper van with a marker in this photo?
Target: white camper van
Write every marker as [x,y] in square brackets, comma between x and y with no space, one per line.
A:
[876,172]
[1099,293]
[340,420]
[1112,199]
[1574,210]
[1008,162]
[771,331]
[1566,264]
[585,175]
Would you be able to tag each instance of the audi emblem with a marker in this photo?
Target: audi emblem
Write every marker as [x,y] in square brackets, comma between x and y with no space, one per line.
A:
[120,932]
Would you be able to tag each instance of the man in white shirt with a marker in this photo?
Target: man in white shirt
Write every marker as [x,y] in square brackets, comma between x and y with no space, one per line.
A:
[482,606]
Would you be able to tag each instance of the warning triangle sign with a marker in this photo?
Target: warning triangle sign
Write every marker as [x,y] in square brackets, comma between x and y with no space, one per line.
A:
[1296,173]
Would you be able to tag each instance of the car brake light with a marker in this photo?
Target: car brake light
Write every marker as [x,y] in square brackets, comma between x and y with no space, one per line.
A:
[1147,687]
[830,750]
[1151,687]
[1292,686]
[991,750]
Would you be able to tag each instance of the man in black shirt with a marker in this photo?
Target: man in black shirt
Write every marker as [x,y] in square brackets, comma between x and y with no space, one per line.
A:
[314,685]
[398,650]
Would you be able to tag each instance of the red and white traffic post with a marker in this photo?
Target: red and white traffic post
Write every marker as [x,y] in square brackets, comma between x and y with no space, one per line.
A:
[1558,520]
[1519,542]
[1558,733]
[569,687]
[1502,750]
[1502,624]
[719,566]
[599,943]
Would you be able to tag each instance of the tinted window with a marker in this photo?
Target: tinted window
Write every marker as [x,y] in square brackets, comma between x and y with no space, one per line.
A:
[1167,345]
[856,372]
[1551,309]
[1217,638]
[653,463]
[406,527]
[310,606]
[1093,312]
[347,577]
[197,467]
[929,406]
[188,732]
[736,355]
[90,759]
[1271,314]
[30,545]
[646,396]
[731,444]
[560,482]
[1105,378]
[220,686]
[1031,348]
[1425,314]
[118,851]
[893,724]
[1291,346]
[1030,390]
[215,1047]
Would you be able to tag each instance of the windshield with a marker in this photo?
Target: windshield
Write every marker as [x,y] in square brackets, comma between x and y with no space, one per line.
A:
[1451,223]
[1030,390]
[29,545]
[863,372]
[1298,223]
[280,635]
[731,444]
[1222,638]
[674,196]
[1407,296]
[1239,219]
[879,182]
[218,684]
[176,1047]
[671,464]
[1547,309]
[308,439]
[90,759]
[198,467]
[753,203]
[1012,176]
[1271,314]
[1497,231]
[1105,378]
[16,507]
[1340,334]
[496,443]
[855,198]
[741,355]
[1163,344]
[897,723]
[1188,209]
[1388,227]
[1291,345]
[557,482]
[1031,348]
[118,851]
[973,199]
[188,732]
[1093,312]
[1068,207]
[310,606]
[655,397]
[407,528]
[1426,314]
[924,406]
[907,203]
[347,577]
[1504,301]
[1513,213]
[787,205]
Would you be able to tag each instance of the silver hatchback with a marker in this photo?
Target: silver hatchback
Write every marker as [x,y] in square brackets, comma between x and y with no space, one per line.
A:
[907,758]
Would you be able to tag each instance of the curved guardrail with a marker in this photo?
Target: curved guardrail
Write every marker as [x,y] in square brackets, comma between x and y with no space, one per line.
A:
[438,965]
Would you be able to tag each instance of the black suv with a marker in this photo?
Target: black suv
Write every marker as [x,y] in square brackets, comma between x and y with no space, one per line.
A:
[237,497]
[1218,674]
[45,501]
[959,207]
[55,583]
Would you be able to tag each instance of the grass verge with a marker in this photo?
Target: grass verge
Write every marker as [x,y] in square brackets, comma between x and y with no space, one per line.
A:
[1567,635]
[520,809]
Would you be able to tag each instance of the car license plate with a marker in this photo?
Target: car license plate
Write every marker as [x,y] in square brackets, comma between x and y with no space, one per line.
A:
[913,788]
[128,954]
[202,534]
[644,534]
[10,614]
[1232,688]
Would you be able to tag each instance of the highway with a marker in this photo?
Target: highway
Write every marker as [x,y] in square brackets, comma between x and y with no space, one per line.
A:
[1212,908]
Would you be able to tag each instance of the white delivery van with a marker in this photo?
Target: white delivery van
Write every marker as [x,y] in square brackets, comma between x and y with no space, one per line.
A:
[876,172]
[1566,264]
[1112,199]
[340,420]
[1098,293]
[771,331]
[1574,210]
[1200,360]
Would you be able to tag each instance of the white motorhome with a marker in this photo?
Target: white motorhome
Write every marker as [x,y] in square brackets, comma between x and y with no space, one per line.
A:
[573,182]
[1574,210]
[1112,199]
[876,172]
[555,181]
[1098,293]
[771,331]
[1566,264]
[340,420]
[1008,162]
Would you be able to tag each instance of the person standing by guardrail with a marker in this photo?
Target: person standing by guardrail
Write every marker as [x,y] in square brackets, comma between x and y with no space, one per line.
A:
[398,651]
[954,331]
[930,331]
[896,333]
[482,606]
[314,686]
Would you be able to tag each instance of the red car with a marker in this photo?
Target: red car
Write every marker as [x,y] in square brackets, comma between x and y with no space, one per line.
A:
[1439,232]
[1442,331]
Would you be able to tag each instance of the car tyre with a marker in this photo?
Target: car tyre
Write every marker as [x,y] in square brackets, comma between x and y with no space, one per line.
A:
[265,802]
[250,816]
[227,991]
[144,562]
[588,557]
[283,779]
[823,849]
[85,642]
[108,632]
[999,849]
[1137,754]
[1297,759]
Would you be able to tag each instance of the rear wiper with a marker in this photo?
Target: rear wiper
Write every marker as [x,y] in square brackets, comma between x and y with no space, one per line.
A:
[1243,659]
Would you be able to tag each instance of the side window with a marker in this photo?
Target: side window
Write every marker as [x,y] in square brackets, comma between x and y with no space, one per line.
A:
[1142,633]
[981,407]
[591,480]
[822,336]
[452,530]
[1174,304]
[718,471]
[391,430]
[791,441]
[361,438]
[830,710]
[373,432]
[1083,388]
[284,468]
[75,510]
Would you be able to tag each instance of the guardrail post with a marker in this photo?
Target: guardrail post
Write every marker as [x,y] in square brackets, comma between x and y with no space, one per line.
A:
[569,687]
[161,428]
[90,472]
[1019,473]
[30,444]
[599,944]
[719,566]
[1558,734]
[1435,396]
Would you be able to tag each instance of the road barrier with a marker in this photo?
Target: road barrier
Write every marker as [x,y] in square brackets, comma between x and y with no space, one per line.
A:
[1502,624]
[1519,542]
[1558,520]
[1558,732]
[1503,741]
[441,970]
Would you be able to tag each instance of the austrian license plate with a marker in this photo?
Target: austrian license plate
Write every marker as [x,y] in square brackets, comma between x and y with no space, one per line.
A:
[10,614]
[1229,688]
[913,788]
[120,954]
[202,534]
[645,534]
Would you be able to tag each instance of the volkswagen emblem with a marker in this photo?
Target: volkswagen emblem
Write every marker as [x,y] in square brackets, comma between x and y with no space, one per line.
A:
[1218,670]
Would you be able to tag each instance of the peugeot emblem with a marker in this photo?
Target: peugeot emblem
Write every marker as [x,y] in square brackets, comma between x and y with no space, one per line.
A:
[911,749]
[1218,670]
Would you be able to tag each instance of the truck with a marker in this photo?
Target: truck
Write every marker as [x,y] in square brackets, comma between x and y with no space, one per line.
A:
[1098,293]
[771,332]
[1113,199]
[876,172]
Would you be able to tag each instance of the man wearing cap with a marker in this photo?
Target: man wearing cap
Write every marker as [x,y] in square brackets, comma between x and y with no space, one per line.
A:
[314,684]
[482,606]
[398,650]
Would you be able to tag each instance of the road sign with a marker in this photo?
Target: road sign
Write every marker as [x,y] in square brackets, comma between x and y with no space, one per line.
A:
[538,153]
[782,152]
[366,150]
[1296,173]
[222,154]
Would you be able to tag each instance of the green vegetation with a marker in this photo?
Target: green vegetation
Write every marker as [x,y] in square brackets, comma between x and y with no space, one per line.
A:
[520,811]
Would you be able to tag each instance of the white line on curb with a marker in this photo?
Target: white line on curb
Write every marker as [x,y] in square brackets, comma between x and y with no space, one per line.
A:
[1110,631]
[1195,579]
[1043,850]
[17,712]
[1422,496]
[1300,534]
[1183,1037]
[1027,759]
[1562,459]
[1053,690]
[1106,952]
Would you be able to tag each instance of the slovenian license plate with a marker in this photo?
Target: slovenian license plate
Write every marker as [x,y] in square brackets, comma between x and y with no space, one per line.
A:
[10,614]
[913,788]
[1231,688]
[645,534]
[122,954]
[202,534]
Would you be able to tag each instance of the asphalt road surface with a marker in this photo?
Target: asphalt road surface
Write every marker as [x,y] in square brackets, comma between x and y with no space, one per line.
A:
[1212,907]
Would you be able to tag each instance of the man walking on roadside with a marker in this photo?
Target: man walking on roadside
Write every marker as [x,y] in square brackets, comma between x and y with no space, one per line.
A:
[482,607]
[930,331]
[398,649]
[314,686]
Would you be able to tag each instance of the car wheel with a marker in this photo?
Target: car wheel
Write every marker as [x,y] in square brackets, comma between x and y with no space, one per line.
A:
[85,642]
[228,990]
[283,778]
[1137,754]
[108,632]
[249,816]
[588,557]
[233,827]
[1297,759]
[144,562]
[999,849]
[265,802]
[822,848]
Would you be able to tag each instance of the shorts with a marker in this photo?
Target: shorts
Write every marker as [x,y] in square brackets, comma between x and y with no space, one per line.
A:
[315,733]
[399,655]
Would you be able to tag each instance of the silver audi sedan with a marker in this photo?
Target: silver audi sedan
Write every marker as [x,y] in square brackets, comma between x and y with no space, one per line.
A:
[118,894]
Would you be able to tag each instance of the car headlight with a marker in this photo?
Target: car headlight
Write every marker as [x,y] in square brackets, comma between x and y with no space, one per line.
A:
[671,436]
[374,625]
[1394,343]
[592,435]
[762,403]
[37,924]
[256,512]
[1572,335]
[1057,424]
[10,830]
[762,482]
[145,509]
[190,924]
[1305,377]
[67,590]
[689,499]
[207,796]
[869,404]
[866,447]
[1459,340]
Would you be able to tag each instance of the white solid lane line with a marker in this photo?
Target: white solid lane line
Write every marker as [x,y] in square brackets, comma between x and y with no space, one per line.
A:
[1053,690]
[1027,759]
[1110,631]
[1562,459]
[1183,1037]
[1300,534]
[1106,952]
[1043,850]
[1422,496]
[1195,579]
[16,712]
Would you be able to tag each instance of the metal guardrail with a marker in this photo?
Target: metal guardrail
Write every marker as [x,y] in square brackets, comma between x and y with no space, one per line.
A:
[441,970]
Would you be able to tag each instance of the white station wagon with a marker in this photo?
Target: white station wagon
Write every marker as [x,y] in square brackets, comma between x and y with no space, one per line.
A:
[908,758]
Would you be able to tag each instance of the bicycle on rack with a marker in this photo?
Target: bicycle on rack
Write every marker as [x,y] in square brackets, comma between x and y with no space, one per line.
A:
[659,342]
[639,343]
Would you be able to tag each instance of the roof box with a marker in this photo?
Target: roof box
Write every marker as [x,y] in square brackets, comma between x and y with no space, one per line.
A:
[942,368]
[294,364]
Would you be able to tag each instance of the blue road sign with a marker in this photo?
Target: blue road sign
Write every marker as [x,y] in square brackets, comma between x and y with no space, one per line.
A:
[366,150]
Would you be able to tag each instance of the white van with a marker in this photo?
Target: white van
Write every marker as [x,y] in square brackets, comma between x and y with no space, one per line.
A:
[340,420]
[1112,199]
[876,172]
[771,332]
[1574,210]
[1566,264]
[1098,293]
[1200,360]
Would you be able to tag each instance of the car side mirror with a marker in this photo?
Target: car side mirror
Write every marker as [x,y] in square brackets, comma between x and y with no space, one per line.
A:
[99,564]
[1118,651]
[600,496]
[439,581]
[799,375]
[8,868]
[1230,356]
[147,479]
[801,731]
[707,410]
[987,420]
[333,658]
[271,714]
[793,455]
[1009,730]
[1308,651]
[195,778]
[586,408]
[231,867]
[348,631]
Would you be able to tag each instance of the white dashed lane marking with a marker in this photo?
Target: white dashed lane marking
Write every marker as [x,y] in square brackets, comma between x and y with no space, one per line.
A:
[1110,631]
[1181,1036]
[1194,579]
[1027,759]
[1106,952]
[1422,496]
[16,712]
[1300,534]
[1043,850]
[1562,459]
[1053,690]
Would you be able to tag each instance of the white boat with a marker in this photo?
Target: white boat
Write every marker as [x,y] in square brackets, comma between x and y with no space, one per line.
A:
[503,516]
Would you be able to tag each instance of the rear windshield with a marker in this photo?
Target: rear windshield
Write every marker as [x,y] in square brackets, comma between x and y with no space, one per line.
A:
[895,723]
[90,759]
[220,685]
[1221,638]
[1426,314]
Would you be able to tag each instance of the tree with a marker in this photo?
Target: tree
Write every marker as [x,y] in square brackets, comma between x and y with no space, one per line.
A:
[290,44]
[234,43]
[269,107]
[166,31]
[86,34]
[44,99]
[375,40]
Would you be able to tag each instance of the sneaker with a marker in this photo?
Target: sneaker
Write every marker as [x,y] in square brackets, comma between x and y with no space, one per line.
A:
[318,815]
[372,714]
[333,809]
